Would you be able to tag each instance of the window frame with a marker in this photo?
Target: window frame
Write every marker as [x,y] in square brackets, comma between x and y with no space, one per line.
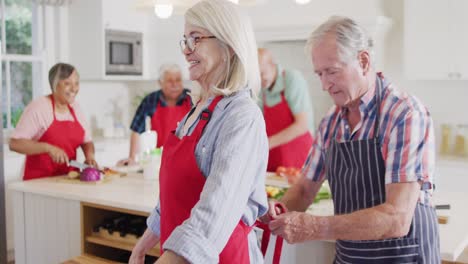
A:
[37,58]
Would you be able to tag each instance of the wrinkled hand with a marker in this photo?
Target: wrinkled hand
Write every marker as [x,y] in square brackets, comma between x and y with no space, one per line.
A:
[294,227]
[126,162]
[57,154]
[91,162]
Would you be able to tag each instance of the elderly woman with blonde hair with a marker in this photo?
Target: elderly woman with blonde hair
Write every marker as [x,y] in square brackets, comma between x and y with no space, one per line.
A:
[213,166]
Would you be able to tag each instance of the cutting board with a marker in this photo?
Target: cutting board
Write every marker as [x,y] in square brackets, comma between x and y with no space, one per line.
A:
[106,179]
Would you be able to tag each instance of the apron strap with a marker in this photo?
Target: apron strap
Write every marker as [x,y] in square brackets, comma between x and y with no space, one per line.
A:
[206,116]
[266,240]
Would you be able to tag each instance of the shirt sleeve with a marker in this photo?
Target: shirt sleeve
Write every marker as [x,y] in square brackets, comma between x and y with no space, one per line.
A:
[297,96]
[407,151]
[146,108]
[154,221]
[223,201]
[296,92]
[34,121]
[314,166]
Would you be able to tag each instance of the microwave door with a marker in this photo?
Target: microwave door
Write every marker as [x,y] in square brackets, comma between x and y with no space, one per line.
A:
[121,53]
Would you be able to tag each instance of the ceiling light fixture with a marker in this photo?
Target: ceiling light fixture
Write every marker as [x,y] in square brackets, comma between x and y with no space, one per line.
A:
[163,10]
[302,2]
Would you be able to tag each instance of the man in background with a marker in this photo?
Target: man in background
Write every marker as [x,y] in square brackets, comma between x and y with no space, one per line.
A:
[165,107]
[288,113]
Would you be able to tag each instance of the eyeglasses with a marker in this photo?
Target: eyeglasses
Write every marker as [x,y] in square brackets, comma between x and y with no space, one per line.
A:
[191,42]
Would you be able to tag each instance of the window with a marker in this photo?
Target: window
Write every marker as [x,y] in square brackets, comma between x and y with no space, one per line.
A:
[21,57]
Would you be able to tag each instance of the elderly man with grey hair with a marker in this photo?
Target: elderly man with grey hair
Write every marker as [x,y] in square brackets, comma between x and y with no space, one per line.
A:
[376,149]
[165,107]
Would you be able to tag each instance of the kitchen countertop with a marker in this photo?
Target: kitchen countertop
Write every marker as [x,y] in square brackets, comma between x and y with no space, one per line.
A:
[129,192]
[453,235]
[135,193]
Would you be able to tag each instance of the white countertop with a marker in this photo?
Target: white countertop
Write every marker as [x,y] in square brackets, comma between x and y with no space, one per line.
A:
[454,234]
[135,193]
[129,192]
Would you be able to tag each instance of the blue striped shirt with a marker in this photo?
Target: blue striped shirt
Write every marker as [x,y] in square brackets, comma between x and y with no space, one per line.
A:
[148,107]
[232,154]
[406,135]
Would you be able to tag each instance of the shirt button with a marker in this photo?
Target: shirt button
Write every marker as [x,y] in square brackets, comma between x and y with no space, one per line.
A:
[346,126]
[203,150]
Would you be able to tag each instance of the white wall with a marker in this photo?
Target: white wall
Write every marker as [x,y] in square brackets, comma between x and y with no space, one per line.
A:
[446,100]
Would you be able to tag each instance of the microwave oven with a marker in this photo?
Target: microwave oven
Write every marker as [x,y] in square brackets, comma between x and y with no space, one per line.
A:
[124,52]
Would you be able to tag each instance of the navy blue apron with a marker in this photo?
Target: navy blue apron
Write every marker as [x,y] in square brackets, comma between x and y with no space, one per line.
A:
[356,173]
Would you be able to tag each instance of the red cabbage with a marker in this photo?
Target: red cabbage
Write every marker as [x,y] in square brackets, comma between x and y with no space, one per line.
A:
[90,174]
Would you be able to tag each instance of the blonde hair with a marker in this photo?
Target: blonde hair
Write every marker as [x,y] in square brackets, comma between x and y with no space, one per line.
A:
[233,29]
[351,38]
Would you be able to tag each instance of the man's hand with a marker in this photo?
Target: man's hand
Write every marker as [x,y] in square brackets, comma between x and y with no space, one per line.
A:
[57,154]
[295,227]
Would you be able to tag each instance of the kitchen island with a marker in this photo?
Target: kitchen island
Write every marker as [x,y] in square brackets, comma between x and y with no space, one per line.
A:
[48,217]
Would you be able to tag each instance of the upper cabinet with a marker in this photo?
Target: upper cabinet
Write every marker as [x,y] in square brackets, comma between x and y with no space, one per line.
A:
[435,39]
[92,53]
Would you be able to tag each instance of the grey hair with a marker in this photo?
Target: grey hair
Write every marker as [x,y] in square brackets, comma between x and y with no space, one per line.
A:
[165,68]
[232,29]
[351,38]
[60,71]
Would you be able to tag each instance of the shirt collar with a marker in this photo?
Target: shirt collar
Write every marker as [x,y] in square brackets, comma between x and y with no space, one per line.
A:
[368,100]
[228,99]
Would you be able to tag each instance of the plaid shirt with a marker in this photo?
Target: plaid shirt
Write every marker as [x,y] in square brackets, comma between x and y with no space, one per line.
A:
[148,108]
[406,135]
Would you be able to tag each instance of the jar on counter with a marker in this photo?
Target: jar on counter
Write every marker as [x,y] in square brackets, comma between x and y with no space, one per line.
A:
[460,146]
[445,144]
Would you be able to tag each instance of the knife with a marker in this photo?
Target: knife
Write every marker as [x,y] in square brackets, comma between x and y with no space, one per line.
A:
[78,165]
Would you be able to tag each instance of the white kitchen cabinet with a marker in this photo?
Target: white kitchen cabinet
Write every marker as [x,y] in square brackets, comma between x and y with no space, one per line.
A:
[88,20]
[47,229]
[435,39]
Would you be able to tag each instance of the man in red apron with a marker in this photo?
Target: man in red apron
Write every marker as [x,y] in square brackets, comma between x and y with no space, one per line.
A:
[165,107]
[288,114]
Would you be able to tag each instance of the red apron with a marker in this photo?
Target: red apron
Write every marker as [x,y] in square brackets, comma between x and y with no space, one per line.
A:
[277,118]
[181,183]
[165,119]
[67,135]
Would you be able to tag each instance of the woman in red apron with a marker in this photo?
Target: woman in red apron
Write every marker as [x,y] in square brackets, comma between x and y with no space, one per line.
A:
[48,142]
[212,171]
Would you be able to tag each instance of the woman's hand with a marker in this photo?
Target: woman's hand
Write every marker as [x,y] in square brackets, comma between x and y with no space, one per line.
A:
[137,257]
[146,242]
[127,162]
[91,162]
[57,154]
[273,211]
